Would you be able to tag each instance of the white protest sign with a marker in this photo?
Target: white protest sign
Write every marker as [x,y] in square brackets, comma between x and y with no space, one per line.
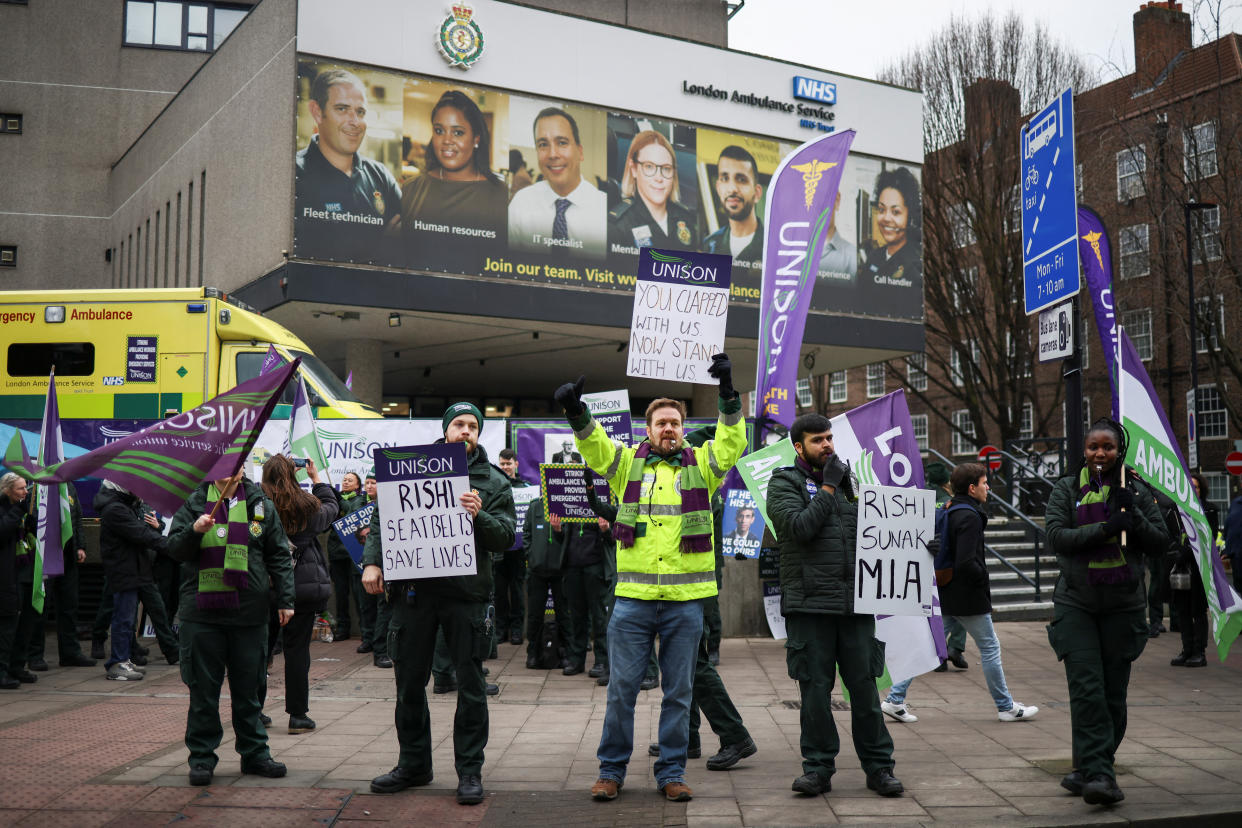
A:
[425,531]
[772,609]
[611,411]
[681,304]
[894,574]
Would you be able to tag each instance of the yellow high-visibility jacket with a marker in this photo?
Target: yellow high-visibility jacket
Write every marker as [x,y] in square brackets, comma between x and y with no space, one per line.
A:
[655,568]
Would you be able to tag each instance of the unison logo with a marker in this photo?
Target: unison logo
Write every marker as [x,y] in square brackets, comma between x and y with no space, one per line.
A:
[671,267]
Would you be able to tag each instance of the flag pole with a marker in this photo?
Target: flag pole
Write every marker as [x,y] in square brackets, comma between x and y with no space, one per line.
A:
[1121,407]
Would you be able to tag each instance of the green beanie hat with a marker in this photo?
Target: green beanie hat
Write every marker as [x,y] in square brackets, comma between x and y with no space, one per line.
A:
[456,409]
[936,474]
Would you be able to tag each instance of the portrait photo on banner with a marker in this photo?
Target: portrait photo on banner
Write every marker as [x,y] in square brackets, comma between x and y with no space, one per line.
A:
[348,129]
[454,199]
[558,177]
[734,172]
[653,190]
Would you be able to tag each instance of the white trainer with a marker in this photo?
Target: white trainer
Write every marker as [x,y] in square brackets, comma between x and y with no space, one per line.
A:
[898,712]
[1018,713]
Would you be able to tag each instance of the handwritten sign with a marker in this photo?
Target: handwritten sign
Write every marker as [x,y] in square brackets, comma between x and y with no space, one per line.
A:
[564,491]
[347,527]
[772,609]
[611,410]
[425,531]
[756,470]
[894,574]
[741,525]
[681,303]
[523,496]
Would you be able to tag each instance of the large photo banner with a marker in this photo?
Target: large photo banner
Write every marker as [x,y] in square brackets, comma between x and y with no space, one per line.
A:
[454,178]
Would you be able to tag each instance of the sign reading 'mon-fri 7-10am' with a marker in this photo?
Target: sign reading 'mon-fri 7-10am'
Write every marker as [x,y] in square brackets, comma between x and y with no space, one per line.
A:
[1049,206]
[424,529]
[894,574]
[681,304]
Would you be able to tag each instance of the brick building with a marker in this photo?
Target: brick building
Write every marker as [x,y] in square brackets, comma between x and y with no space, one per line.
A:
[1146,144]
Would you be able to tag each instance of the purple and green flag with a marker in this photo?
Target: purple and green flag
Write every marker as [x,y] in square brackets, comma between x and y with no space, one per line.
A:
[1097,263]
[52,502]
[165,462]
[801,196]
[1154,451]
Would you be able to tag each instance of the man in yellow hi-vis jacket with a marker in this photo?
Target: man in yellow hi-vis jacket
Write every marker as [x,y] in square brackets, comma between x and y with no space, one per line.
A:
[665,566]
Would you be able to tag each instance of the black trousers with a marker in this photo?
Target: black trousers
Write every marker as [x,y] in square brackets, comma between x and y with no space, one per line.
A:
[710,695]
[1192,621]
[297,661]
[537,587]
[63,592]
[510,575]
[23,634]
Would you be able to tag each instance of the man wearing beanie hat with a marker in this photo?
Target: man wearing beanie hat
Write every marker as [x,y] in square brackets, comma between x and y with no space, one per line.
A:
[936,474]
[457,606]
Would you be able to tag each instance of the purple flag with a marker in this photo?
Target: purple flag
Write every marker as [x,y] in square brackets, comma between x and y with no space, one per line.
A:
[271,360]
[164,463]
[877,438]
[801,195]
[349,381]
[1095,254]
[54,521]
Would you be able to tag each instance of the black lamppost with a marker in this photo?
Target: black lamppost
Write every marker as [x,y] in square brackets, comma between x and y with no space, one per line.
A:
[1190,207]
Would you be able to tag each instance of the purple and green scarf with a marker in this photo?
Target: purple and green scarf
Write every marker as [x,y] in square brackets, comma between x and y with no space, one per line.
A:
[224,563]
[696,508]
[1107,562]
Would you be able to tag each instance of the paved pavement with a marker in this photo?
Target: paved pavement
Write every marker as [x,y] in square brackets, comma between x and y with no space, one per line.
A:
[78,750]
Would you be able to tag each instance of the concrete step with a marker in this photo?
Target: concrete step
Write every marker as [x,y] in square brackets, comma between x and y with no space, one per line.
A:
[1027,611]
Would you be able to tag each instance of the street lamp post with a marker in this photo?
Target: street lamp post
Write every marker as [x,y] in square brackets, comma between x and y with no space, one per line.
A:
[1190,207]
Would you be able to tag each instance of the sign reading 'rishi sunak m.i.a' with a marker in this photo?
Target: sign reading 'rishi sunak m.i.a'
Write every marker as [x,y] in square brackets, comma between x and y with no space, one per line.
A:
[424,529]
[681,305]
[894,572]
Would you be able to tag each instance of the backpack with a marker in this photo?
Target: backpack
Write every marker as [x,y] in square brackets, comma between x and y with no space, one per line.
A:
[548,656]
[941,550]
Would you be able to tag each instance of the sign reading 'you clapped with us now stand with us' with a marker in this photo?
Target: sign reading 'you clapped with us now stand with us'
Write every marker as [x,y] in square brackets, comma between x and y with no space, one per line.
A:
[681,305]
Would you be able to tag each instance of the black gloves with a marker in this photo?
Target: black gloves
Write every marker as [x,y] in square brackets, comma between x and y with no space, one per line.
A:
[835,471]
[1118,522]
[722,371]
[1124,498]
[569,396]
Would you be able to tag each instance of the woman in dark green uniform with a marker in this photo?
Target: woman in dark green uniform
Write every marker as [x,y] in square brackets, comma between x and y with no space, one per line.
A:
[651,214]
[1100,526]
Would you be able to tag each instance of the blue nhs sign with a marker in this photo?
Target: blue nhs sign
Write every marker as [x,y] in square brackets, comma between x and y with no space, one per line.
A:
[809,89]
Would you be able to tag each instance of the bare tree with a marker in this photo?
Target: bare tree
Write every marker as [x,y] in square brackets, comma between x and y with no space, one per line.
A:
[978,76]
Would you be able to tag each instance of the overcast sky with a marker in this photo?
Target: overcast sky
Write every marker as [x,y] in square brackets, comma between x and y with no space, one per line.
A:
[857,38]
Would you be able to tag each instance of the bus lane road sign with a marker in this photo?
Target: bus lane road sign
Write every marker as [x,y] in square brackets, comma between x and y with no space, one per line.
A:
[1049,206]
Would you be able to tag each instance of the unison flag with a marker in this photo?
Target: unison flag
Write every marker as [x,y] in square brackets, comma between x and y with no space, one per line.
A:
[1154,451]
[1095,254]
[164,463]
[303,440]
[801,195]
[52,502]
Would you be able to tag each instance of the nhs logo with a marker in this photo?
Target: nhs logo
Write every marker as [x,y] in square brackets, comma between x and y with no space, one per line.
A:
[809,89]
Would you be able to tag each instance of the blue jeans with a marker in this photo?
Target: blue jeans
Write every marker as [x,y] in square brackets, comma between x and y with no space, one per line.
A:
[124,610]
[981,630]
[632,630]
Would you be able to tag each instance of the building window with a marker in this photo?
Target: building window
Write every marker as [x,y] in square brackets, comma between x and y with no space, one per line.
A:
[918,422]
[8,255]
[1137,324]
[963,443]
[10,123]
[1200,151]
[1213,418]
[1208,323]
[1131,167]
[964,288]
[957,372]
[1022,364]
[875,380]
[837,390]
[1135,251]
[195,27]
[1206,226]
[961,224]
[916,371]
[804,393]
[1218,490]
[1026,427]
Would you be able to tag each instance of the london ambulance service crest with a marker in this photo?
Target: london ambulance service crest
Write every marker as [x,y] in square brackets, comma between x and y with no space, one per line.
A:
[460,38]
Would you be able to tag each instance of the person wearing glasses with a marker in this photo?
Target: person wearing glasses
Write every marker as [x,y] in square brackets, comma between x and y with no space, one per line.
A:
[650,213]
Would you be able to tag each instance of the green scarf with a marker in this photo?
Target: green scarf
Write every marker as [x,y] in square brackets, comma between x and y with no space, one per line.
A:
[224,564]
[696,507]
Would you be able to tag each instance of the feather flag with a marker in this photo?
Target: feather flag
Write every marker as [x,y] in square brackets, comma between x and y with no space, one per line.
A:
[54,527]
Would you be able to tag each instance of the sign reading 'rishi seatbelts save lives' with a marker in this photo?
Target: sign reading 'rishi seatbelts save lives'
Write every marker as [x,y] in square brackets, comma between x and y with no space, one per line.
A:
[424,529]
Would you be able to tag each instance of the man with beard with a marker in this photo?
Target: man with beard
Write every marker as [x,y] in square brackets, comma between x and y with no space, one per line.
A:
[665,566]
[814,512]
[458,606]
[737,185]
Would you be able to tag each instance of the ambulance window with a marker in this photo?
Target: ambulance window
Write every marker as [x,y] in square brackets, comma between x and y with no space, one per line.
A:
[249,363]
[35,359]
